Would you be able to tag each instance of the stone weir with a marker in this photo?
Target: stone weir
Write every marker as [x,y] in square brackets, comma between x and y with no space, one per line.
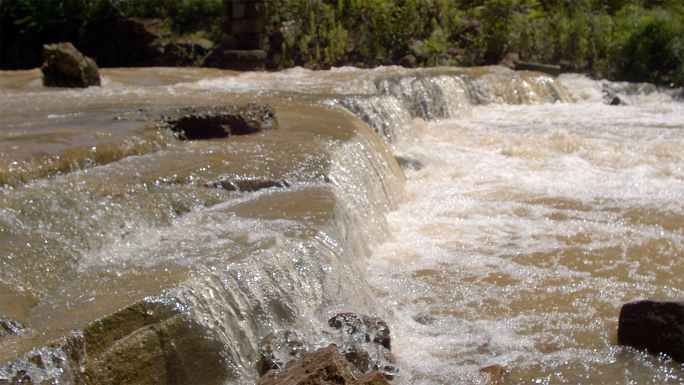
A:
[323,206]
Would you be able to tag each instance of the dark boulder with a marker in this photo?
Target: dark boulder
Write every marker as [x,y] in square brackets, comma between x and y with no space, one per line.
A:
[653,325]
[220,122]
[65,66]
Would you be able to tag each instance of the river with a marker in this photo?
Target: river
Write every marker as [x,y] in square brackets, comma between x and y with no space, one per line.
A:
[526,211]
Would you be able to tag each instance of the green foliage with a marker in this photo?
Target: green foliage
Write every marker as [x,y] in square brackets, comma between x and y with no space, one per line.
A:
[33,16]
[619,39]
[649,45]
[436,45]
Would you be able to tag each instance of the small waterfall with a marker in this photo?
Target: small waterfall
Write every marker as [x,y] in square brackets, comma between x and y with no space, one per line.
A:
[429,98]
[275,259]
[503,86]
[386,115]
[431,95]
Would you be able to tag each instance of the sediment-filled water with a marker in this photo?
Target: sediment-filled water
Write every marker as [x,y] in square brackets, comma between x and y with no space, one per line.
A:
[525,212]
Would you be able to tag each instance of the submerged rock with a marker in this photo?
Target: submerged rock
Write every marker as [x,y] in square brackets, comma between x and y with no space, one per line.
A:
[323,366]
[653,325]
[250,185]
[372,328]
[10,327]
[65,66]
[550,69]
[610,96]
[220,122]
[278,348]
[494,373]
[408,164]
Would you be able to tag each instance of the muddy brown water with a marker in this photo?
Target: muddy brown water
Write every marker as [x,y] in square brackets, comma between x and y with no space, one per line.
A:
[535,212]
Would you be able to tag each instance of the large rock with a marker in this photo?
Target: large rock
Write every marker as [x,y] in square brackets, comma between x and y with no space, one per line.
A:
[220,122]
[145,343]
[324,366]
[653,325]
[65,66]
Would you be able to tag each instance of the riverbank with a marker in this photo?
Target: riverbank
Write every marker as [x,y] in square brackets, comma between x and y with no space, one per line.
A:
[639,41]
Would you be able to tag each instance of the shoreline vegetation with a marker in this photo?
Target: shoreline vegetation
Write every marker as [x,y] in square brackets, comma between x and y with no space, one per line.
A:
[619,40]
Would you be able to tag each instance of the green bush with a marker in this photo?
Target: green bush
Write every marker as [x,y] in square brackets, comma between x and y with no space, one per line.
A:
[649,45]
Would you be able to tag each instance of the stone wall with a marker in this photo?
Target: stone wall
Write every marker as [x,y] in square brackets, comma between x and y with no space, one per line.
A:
[243,40]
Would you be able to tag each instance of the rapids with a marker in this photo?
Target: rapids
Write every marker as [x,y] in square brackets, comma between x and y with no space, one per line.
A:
[527,211]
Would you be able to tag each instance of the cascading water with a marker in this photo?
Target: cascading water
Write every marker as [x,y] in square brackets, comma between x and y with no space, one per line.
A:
[532,211]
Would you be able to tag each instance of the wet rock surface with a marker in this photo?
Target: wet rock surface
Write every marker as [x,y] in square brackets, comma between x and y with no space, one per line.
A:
[552,70]
[495,373]
[653,325]
[365,341]
[408,164]
[323,366]
[279,348]
[371,328]
[65,66]
[219,122]
[249,185]
[10,327]
[145,343]
[359,340]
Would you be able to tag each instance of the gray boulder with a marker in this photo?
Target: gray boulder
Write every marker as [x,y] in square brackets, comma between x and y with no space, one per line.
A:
[653,325]
[65,66]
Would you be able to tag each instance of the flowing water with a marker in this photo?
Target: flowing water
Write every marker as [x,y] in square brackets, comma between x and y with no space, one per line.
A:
[527,211]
